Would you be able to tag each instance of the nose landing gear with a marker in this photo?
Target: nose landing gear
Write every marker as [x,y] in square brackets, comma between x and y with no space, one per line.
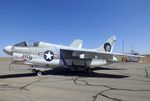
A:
[38,72]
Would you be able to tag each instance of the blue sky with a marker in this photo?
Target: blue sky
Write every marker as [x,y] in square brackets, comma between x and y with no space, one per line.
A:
[62,21]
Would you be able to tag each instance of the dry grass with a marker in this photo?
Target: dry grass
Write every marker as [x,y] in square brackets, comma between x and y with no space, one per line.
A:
[4,58]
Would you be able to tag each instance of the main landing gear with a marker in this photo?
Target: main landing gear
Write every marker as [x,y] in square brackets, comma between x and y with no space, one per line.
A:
[80,68]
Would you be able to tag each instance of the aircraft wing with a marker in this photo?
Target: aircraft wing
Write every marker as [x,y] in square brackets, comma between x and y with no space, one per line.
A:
[89,54]
[86,54]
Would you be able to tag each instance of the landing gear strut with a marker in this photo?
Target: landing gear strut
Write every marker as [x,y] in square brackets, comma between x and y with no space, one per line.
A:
[79,68]
[89,70]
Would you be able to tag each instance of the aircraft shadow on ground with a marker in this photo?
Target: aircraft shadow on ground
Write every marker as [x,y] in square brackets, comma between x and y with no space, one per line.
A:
[106,68]
[67,72]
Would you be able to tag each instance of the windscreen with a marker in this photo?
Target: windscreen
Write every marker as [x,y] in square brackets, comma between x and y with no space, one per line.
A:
[21,44]
[27,44]
[33,43]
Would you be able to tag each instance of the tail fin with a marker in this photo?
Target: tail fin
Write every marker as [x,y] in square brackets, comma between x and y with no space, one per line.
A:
[108,45]
[77,43]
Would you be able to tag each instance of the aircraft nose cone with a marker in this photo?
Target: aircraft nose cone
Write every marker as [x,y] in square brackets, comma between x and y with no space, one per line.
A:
[8,50]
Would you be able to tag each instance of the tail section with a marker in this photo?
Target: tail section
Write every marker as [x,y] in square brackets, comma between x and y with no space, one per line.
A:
[77,43]
[108,45]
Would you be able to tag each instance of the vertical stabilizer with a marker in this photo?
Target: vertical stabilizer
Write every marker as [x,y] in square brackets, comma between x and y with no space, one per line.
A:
[77,43]
[108,45]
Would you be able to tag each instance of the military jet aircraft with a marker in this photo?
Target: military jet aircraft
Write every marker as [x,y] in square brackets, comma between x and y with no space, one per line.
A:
[47,55]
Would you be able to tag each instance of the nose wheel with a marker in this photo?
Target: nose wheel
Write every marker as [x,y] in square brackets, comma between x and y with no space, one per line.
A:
[38,72]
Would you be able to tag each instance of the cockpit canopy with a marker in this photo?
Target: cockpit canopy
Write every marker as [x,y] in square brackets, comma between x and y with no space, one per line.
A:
[27,44]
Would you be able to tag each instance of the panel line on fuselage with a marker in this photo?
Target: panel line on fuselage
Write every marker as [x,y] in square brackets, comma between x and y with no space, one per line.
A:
[61,56]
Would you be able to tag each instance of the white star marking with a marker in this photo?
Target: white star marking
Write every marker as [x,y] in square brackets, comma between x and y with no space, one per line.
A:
[49,56]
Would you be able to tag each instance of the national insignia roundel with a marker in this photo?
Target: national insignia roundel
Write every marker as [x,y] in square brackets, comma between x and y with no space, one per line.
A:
[48,55]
